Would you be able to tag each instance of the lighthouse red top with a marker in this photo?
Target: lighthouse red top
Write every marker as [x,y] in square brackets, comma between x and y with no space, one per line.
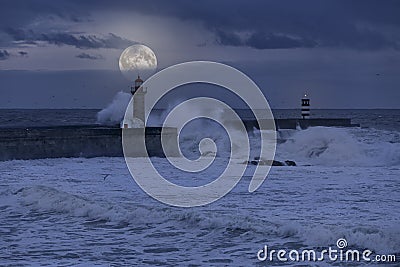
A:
[138,80]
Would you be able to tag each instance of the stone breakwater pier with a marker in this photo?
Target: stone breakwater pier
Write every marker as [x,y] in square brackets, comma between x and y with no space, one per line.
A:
[80,141]
[101,141]
[304,123]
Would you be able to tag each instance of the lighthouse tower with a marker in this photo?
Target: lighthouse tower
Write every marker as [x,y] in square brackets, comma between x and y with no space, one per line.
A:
[305,107]
[138,93]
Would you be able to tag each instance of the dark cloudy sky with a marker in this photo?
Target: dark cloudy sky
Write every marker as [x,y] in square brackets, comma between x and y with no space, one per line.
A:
[345,54]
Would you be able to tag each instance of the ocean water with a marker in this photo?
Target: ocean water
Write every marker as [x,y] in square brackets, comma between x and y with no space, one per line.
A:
[90,212]
[387,119]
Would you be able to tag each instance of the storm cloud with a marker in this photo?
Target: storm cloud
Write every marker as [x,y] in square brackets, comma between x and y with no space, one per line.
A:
[4,54]
[262,40]
[343,53]
[359,25]
[81,41]
[89,56]
[286,24]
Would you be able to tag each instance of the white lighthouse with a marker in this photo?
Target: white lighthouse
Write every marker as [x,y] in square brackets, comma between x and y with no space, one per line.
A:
[138,93]
[136,120]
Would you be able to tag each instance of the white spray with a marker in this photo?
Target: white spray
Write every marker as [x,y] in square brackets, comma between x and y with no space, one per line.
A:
[115,111]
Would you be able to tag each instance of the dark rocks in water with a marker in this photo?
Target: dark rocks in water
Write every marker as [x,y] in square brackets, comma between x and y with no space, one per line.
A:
[258,161]
[290,163]
[277,163]
[284,163]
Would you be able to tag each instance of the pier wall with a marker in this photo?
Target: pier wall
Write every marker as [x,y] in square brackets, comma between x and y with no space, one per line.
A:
[304,123]
[99,141]
[79,141]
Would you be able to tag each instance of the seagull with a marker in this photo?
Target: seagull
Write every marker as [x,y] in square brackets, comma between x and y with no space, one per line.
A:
[105,176]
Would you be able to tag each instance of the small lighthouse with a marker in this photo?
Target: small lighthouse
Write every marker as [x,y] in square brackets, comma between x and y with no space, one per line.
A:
[138,93]
[305,107]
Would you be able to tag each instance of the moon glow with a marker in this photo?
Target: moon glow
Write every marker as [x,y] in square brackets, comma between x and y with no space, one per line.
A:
[137,60]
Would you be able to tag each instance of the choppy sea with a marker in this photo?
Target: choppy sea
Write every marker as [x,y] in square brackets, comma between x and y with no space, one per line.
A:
[90,212]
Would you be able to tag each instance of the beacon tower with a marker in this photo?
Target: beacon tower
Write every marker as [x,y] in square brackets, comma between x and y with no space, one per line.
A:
[305,107]
[138,93]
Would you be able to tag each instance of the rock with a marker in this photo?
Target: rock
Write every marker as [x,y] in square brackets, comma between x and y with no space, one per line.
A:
[277,163]
[258,161]
[290,163]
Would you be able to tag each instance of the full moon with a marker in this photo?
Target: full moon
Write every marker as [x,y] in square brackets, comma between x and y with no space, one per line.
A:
[137,60]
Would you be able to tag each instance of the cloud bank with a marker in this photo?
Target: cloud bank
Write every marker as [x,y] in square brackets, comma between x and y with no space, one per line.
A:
[81,41]
[286,24]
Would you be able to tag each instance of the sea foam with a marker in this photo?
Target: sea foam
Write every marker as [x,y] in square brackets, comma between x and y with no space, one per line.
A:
[329,146]
[115,111]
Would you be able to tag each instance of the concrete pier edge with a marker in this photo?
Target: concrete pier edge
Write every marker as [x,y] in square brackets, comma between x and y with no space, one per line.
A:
[89,141]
